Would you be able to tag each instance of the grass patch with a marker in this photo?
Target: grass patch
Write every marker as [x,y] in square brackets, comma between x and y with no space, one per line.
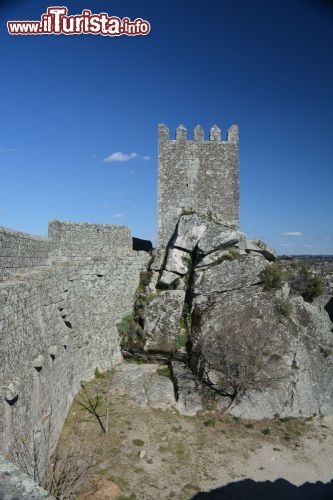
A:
[164,371]
[138,442]
[98,374]
[185,321]
[181,341]
[134,361]
[267,431]
[286,308]
[210,422]
[130,331]
[272,277]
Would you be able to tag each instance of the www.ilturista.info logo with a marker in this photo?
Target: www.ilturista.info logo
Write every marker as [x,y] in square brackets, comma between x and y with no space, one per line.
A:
[56,21]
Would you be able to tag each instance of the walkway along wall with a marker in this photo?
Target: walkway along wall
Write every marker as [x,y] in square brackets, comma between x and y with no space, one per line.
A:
[59,305]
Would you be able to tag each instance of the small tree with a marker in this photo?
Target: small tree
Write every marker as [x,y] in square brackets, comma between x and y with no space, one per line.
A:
[59,474]
[241,353]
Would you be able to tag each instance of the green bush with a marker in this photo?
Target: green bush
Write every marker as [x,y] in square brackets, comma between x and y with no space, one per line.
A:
[304,281]
[130,331]
[286,308]
[186,319]
[145,277]
[181,341]
[272,276]
[313,288]
[149,297]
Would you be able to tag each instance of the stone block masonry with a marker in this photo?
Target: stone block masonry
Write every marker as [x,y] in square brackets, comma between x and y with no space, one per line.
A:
[75,240]
[19,251]
[58,323]
[66,241]
[196,175]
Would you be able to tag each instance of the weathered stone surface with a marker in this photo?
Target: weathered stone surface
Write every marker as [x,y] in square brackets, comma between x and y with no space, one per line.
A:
[143,385]
[190,229]
[218,236]
[16,485]
[158,259]
[11,391]
[153,281]
[214,258]
[243,271]
[176,261]
[325,302]
[189,400]
[261,247]
[167,277]
[161,319]
[66,314]
[246,338]
[38,362]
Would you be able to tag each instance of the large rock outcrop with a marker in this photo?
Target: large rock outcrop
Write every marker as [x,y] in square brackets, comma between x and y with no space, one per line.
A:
[260,347]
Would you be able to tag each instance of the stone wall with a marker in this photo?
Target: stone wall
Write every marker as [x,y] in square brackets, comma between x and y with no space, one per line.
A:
[57,325]
[20,251]
[76,240]
[197,175]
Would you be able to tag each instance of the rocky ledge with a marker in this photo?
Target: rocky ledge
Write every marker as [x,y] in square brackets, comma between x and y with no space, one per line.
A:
[259,347]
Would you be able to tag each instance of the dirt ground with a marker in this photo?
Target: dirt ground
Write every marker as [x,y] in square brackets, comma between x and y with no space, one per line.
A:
[150,453]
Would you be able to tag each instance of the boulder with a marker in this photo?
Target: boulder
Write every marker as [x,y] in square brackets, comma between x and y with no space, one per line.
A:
[261,247]
[243,271]
[325,302]
[162,321]
[158,259]
[269,358]
[143,385]
[189,231]
[167,278]
[153,281]
[176,261]
[218,236]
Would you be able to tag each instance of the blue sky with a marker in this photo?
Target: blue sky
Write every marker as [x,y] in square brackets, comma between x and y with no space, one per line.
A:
[67,103]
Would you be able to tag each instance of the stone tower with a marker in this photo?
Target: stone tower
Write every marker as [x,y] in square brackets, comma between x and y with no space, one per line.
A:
[196,175]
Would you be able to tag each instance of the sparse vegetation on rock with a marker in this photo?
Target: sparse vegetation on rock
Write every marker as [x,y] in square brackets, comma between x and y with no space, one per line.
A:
[272,276]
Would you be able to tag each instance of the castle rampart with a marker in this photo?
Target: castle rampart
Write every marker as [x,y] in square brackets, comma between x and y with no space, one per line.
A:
[197,175]
[19,251]
[58,321]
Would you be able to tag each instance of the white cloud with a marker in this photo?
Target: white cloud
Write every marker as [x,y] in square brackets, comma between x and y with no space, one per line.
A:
[119,156]
[4,149]
[118,216]
[146,158]
[292,233]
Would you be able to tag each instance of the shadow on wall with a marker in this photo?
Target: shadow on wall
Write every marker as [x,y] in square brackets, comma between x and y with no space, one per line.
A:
[279,489]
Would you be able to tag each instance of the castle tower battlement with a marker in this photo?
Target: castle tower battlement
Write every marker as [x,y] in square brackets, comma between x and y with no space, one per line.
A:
[196,175]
